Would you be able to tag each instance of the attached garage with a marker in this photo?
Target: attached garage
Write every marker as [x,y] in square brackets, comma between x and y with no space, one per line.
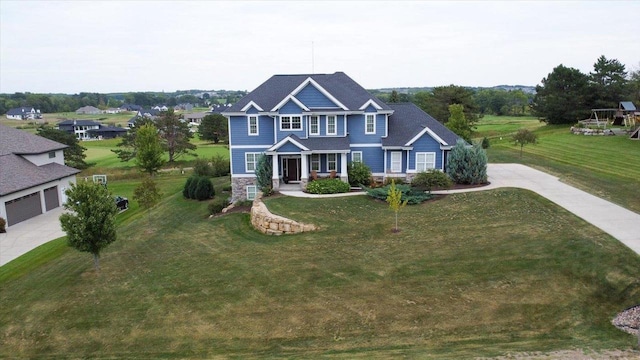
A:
[23,208]
[51,200]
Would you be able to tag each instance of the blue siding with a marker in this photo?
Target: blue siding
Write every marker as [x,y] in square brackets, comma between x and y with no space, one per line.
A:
[355,127]
[370,109]
[290,108]
[252,110]
[372,157]
[313,98]
[426,144]
[289,147]
[239,132]
[237,159]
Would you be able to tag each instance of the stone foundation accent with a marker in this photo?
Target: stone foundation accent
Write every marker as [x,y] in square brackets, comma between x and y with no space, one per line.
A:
[266,222]
[239,188]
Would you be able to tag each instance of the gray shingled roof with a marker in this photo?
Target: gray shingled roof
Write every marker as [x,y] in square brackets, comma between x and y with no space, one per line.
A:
[17,173]
[408,120]
[278,87]
[14,141]
[79,122]
[324,143]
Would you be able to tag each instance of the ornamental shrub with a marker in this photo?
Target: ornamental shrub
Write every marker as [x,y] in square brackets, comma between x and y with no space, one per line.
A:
[467,164]
[3,224]
[264,171]
[186,191]
[410,195]
[359,174]
[201,167]
[427,180]
[485,143]
[204,189]
[328,186]
[193,185]
[216,206]
[220,166]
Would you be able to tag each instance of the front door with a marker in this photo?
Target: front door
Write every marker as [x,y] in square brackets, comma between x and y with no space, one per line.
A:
[293,169]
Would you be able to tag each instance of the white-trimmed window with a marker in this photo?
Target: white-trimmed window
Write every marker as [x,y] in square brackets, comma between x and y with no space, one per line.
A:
[425,161]
[252,190]
[331,125]
[332,162]
[396,161]
[315,162]
[253,125]
[356,156]
[369,123]
[314,125]
[250,161]
[290,123]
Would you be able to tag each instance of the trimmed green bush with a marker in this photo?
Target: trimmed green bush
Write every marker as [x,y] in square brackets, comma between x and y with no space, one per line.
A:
[467,164]
[427,180]
[410,195]
[216,206]
[359,174]
[204,189]
[220,166]
[485,143]
[201,167]
[328,186]
[193,185]
[186,191]
[3,224]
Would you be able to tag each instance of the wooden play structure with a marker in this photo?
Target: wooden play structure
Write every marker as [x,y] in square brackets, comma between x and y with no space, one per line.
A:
[626,115]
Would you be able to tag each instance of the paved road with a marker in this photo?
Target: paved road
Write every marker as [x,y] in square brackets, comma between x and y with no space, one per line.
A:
[615,220]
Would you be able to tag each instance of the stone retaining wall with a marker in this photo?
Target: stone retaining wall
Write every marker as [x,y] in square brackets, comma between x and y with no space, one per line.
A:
[270,224]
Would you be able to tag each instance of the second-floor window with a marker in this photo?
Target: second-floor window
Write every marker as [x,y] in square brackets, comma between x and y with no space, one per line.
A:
[253,125]
[290,123]
[331,125]
[370,123]
[52,154]
[314,126]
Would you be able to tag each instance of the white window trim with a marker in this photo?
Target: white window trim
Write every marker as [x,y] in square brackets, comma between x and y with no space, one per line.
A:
[366,115]
[249,117]
[335,125]
[336,162]
[256,155]
[252,191]
[290,117]
[317,161]
[418,154]
[397,162]
[311,119]
[353,153]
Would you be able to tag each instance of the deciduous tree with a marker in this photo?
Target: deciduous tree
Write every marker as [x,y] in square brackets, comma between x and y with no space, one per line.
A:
[149,149]
[213,128]
[147,195]
[436,103]
[458,123]
[175,134]
[90,223]
[394,199]
[524,137]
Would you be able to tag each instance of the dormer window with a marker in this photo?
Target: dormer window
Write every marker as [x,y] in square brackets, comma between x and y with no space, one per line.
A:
[290,123]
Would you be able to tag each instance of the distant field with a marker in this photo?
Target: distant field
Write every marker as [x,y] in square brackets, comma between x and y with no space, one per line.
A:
[492,126]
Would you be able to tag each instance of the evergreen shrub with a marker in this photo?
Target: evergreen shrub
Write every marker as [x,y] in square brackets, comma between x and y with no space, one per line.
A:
[410,195]
[216,206]
[204,189]
[467,164]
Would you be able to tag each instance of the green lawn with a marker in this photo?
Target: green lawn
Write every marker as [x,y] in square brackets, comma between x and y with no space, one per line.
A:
[494,127]
[454,283]
[606,166]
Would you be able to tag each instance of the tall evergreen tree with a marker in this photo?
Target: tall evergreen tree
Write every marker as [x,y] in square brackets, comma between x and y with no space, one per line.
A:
[175,134]
[458,123]
[562,97]
[607,83]
[436,103]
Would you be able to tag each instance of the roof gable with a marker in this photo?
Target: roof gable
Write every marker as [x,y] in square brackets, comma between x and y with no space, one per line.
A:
[14,141]
[409,123]
[291,139]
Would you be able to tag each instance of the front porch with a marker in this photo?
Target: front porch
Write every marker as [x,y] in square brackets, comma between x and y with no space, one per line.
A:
[294,171]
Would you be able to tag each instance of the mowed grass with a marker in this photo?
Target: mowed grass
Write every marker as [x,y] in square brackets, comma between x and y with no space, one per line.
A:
[606,166]
[492,126]
[520,275]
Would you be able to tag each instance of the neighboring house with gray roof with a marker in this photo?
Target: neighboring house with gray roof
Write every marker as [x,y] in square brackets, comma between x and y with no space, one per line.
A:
[33,176]
[90,130]
[316,124]
[88,110]
[24,113]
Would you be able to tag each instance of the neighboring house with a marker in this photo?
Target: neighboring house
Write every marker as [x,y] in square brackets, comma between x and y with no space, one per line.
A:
[150,113]
[161,107]
[80,128]
[90,130]
[130,107]
[185,107]
[195,119]
[218,109]
[113,111]
[24,113]
[321,122]
[33,177]
[88,110]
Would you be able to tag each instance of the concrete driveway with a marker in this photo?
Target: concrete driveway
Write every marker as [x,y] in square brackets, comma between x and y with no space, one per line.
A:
[29,234]
[613,219]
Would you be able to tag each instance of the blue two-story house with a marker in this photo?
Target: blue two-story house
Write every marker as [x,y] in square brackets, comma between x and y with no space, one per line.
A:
[317,124]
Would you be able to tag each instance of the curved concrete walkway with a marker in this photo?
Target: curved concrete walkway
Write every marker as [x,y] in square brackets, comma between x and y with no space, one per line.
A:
[613,219]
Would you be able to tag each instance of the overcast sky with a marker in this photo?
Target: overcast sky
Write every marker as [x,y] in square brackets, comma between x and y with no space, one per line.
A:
[121,46]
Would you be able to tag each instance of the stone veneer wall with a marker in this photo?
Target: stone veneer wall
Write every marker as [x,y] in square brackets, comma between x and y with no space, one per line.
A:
[270,224]
[239,188]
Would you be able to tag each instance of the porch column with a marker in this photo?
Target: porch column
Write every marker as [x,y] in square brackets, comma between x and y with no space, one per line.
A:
[275,178]
[344,175]
[304,171]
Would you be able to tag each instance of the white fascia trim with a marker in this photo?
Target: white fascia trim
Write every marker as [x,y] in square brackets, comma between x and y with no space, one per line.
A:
[446,147]
[233,147]
[396,148]
[237,113]
[236,176]
[319,88]
[430,132]
[372,103]
[330,151]
[286,140]
[286,100]
[365,145]
[250,104]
